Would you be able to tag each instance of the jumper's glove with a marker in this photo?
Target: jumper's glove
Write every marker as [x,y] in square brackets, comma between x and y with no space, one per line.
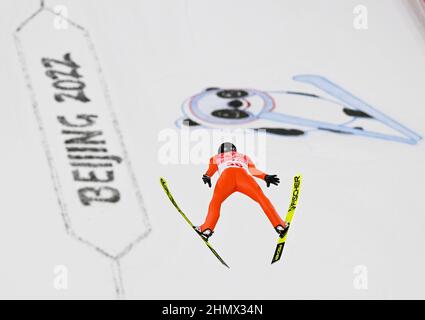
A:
[271,179]
[206,180]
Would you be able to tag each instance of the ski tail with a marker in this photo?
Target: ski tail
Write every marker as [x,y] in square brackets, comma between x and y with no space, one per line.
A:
[216,254]
[278,252]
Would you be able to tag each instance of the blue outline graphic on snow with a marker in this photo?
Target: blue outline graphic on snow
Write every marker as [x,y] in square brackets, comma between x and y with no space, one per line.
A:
[343,98]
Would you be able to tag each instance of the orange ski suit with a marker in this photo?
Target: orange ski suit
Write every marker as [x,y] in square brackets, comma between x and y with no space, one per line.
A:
[236,171]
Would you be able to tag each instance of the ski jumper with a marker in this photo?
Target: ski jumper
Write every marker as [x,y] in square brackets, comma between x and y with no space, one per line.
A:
[236,171]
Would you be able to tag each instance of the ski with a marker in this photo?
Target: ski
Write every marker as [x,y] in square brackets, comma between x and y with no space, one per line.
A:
[170,196]
[290,214]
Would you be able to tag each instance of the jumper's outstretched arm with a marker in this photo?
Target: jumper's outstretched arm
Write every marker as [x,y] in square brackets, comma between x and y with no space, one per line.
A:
[270,179]
[212,168]
[254,171]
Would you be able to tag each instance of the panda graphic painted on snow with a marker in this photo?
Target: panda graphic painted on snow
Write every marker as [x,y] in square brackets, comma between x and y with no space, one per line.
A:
[292,113]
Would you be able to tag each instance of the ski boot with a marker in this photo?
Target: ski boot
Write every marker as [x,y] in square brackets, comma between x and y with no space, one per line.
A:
[206,234]
[282,230]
